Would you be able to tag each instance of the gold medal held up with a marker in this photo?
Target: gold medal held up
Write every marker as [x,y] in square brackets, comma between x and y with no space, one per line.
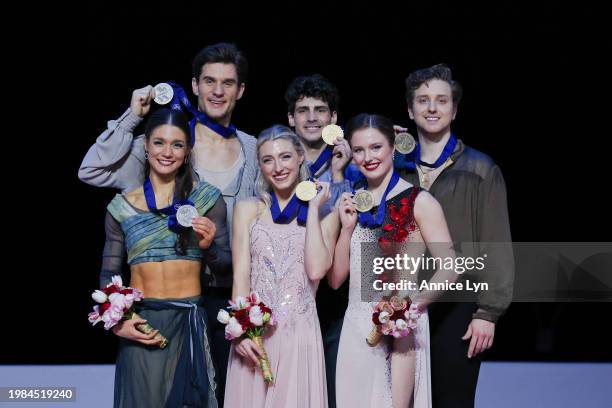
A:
[306,190]
[364,201]
[331,133]
[404,143]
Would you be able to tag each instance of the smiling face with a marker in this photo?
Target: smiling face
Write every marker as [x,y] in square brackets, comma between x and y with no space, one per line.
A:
[432,108]
[372,153]
[309,118]
[167,149]
[280,164]
[218,90]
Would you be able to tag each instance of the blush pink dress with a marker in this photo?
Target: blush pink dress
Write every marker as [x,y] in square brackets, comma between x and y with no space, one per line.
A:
[294,345]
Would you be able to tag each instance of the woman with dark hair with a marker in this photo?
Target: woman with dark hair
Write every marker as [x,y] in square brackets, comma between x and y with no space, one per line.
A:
[393,372]
[281,248]
[165,255]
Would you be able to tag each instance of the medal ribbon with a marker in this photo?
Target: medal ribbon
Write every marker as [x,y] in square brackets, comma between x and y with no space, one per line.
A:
[294,205]
[180,98]
[410,160]
[366,219]
[323,158]
[169,211]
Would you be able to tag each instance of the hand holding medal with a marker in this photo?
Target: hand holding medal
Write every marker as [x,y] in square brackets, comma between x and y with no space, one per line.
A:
[321,197]
[141,101]
[185,215]
[314,192]
[330,133]
[306,190]
[205,229]
[347,212]
[364,200]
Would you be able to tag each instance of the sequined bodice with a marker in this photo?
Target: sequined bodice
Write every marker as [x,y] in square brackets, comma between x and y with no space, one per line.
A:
[278,274]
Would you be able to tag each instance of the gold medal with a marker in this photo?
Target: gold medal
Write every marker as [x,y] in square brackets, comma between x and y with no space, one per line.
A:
[331,133]
[306,190]
[364,201]
[404,143]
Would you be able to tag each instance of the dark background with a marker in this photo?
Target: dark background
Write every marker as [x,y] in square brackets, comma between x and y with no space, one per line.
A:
[533,76]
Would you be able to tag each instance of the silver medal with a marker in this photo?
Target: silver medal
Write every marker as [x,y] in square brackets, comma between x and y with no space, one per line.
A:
[185,215]
[163,93]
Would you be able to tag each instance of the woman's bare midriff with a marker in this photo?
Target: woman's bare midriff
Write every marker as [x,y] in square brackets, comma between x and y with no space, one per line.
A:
[168,279]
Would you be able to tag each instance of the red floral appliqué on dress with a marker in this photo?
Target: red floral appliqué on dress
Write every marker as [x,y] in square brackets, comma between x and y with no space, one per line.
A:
[402,221]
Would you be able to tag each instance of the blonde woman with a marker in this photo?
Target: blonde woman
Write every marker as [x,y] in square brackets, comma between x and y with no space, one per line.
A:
[281,248]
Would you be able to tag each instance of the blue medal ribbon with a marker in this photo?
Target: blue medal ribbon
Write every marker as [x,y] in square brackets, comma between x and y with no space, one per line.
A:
[353,175]
[366,219]
[410,160]
[323,158]
[295,205]
[169,211]
[180,98]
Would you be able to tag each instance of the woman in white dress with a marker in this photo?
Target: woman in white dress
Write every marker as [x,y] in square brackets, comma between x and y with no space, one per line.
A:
[395,372]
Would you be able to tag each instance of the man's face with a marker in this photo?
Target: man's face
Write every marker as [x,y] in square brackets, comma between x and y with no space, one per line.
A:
[432,108]
[218,90]
[309,118]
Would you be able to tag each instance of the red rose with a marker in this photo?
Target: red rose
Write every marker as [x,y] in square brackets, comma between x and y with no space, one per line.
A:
[127,291]
[375,318]
[398,314]
[404,201]
[387,227]
[104,307]
[243,318]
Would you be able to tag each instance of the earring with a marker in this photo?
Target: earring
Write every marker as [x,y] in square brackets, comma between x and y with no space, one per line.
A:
[186,159]
[146,155]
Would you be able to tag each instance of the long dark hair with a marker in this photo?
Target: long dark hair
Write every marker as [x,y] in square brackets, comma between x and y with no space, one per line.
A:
[183,182]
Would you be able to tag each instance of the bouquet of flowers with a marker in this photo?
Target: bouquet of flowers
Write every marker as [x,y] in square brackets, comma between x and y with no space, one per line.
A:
[251,316]
[115,304]
[396,317]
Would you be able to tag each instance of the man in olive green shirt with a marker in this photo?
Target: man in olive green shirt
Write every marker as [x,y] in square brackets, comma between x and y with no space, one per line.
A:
[472,192]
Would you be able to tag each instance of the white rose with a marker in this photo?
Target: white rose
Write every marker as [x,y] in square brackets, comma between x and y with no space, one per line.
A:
[383,317]
[401,325]
[223,316]
[116,280]
[99,296]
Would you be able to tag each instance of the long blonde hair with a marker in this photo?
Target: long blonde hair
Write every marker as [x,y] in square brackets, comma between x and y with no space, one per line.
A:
[279,132]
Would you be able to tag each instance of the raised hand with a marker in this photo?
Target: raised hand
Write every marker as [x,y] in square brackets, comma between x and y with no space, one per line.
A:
[141,100]
[322,196]
[341,156]
[347,212]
